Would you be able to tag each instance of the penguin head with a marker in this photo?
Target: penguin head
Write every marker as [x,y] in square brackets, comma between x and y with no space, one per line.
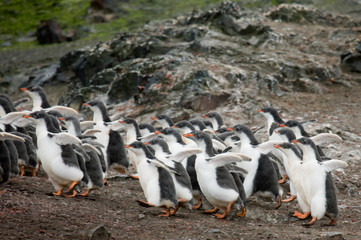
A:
[128,122]
[286,134]
[216,116]
[139,149]
[146,128]
[184,126]
[245,133]
[37,115]
[198,124]
[208,124]
[164,120]
[305,144]
[170,134]
[34,89]
[159,144]
[94,104]
[271,114]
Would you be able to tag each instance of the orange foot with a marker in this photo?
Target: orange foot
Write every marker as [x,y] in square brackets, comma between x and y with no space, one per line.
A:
[289,199]
[73,185]
[145,203]
[58,193]
[71,195]
[166,213]
[134,176]
[220,215]
[300,215]
[279,202]
[173,211]
[311,222]
[241,214]
[199,204]
[84,193]
[332,222]
[105,182]
[214,210]
[33,172]
[283,179]
[22,171]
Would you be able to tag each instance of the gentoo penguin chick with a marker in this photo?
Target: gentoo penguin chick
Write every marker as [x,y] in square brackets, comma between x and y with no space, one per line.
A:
[176,143]
[198,124]
[114,151]
[184,127]
[318,188]
[56,154]
[133,133]
[155,179]
[146,129]
[164,120]
[181,180]
[215,118]
[272,116]
[215,181]
[262,176]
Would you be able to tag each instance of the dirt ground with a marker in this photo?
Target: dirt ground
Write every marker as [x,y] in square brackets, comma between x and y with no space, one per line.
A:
[29,211]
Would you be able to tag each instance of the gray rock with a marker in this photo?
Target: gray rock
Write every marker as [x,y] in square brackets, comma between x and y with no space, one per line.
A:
[99,233]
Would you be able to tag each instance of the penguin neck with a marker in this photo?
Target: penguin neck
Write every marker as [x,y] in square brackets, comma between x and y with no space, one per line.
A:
[309,154]
[216,125]
[133,133]
[37,102]
[98,115]
[2,111]
[207,148]
[74,129]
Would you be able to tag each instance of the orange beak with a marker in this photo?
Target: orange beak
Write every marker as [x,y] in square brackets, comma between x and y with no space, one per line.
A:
[282,125]
[277,146]
[85,104]
[230,129]
[204,116]
[27,116]
[157,132]
[24,89]
[173,127]
[277,132]
[61,119]
[146,143]
[259,110]
[188,135]
[295,141]
[128,146]
[121,121]
[154,118]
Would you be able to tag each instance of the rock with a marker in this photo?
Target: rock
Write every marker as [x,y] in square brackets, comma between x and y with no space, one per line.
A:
[331,236]
[124,87]
[99,233]
[42,76]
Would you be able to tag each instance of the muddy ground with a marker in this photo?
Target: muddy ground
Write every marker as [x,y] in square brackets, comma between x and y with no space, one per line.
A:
[29,211]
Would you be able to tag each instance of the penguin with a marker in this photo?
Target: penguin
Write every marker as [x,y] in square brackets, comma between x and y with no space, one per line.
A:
[40,101]
[272,116]
[56,154]
[184,127]
[176,143]
[182,180]
[262,176]
[155,180]
[198,124]
[316,192]
[132,128]
[215,181]
[164,120]
[93,167]
[5,160]
[146,129]
[215,118]
[114,151]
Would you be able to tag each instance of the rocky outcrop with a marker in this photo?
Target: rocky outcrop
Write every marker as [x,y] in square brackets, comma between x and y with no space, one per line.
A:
[226,56]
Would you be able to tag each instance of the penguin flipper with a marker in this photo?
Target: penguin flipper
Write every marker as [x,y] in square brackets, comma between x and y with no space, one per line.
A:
[66,111]
[90,132]
[148,137]
[218,144]
[181,155]
[324,138]
[64,138]
[10,136]
[267,147]
[13,116]
[89,148]
[158,163]
[226,158]
[84,125]
[333,164]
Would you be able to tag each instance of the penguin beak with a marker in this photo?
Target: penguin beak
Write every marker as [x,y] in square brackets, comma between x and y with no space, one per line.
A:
[230,129]
[146,143]
[295,141]
[277,146]
[154,118]
[24,89]
[86,104]
[121,121]
[173,127]
[276,132]
[157,132]
[128,146]
[282,125]
[259,110]
[204,116]
[188,135]
[27,116]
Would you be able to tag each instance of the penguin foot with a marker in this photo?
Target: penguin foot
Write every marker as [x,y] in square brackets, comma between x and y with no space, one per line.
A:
[180,200]
[220,215]
[71,195]
[58,193]
[199,204]
[332,222]
[241,214]
[283,179]
[84,193]
[174,210]
[145,203]
[311,222]
[33,172]
[166,213]
[289,199]
[105,182]
[22,171]
[134,176]
[214,210]
[73,185]
[279,202]
[300,215]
